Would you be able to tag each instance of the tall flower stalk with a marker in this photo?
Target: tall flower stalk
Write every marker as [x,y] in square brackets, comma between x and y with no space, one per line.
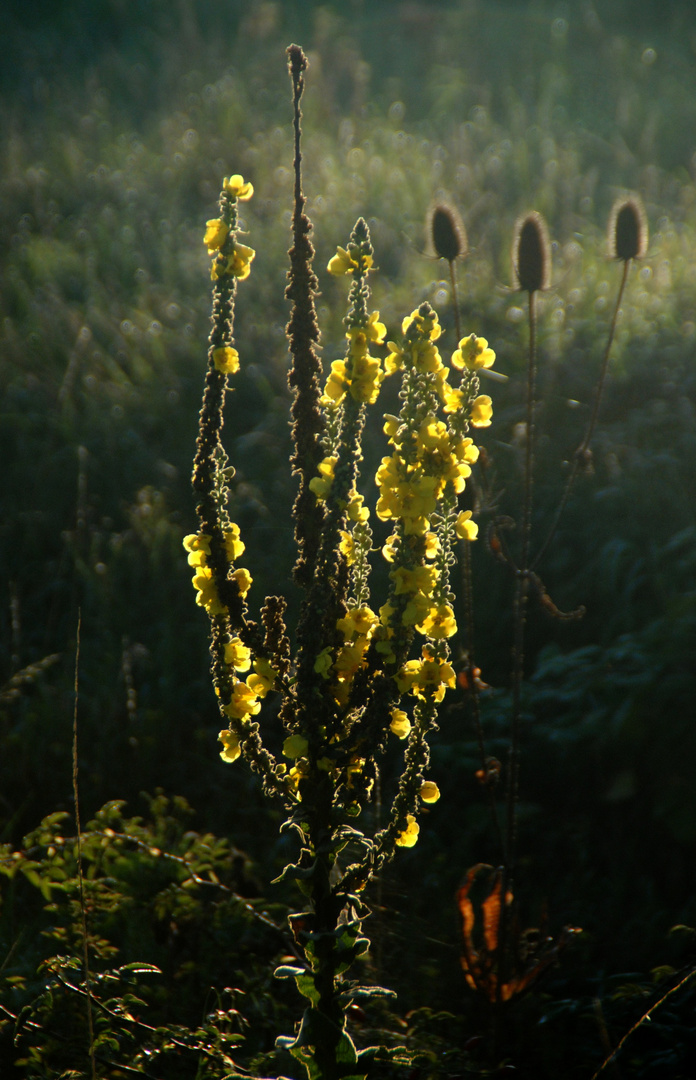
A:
[358,677]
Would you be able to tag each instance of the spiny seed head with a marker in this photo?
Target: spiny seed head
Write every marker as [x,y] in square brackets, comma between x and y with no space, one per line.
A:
[531,253]
[445,233]
[628,229]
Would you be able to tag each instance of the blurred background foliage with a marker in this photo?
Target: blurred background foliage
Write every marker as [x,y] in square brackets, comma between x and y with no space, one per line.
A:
[119,120]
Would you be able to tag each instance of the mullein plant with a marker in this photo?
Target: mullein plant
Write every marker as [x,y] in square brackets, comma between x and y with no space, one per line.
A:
[359,675]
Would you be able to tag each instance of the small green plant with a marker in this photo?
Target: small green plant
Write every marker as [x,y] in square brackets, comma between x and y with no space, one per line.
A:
[163,912]
[351,683]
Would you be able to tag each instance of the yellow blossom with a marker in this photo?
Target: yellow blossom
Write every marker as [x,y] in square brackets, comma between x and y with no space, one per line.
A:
[295,746]
[432,545]
[416,609]
[347,546]
[428,325]
[419,579]
[198,547]
[345,262]
[355,509]
[439,623]
[389,549]
[466,528]
[238,188]
[243,702]
[410,835]
[237,655]
[358,622]
[395,358]
[473,353]
[226,360]
[207,597]
[376,331]
[323,662]
[481,411]
[321,485]
[216,232]
[235,264]
[244,580]
[230,743]
[429,791]
[400,724]
[234,547]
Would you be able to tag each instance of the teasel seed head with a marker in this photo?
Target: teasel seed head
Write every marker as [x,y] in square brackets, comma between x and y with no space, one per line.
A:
[445,233]
[531,253]
[628,229]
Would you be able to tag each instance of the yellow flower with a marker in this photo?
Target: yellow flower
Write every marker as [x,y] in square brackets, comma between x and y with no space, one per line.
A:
[323,662]
[410,835]
[416,609]
[473,353]
[240,259]
[429,791]
[439,623]
[389,549]
[216,233]
[198,547]
[432,545]
[231,749]
[295,746]
[207,593]
[236,263]
[358,622]
[434,677]
[419,579]
[234,547]
[466,528]
[244,580]
[400,724]
[226,360]
[347,547]
[342,263]
[407,675]
[355,509]
[238,188]
[243,702]
[395,358]
[350,658]
[321,485]
[260,684]
[366,378]
[237,655]
[376,331]
[427,325]
[481,411]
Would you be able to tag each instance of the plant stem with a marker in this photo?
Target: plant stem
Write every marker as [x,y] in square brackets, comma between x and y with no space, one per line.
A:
[580,455]
[519,625]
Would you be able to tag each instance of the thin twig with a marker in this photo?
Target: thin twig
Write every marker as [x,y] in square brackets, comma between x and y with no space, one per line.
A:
[580,455]
[80,878]
[644,1017]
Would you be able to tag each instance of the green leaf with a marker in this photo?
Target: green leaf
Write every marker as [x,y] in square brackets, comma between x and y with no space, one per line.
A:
[287,971]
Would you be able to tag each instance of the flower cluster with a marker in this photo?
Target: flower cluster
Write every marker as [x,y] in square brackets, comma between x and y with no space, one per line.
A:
[427,470]
[360,374]
[230,257]
[246,695]
[357,628]
[198,547]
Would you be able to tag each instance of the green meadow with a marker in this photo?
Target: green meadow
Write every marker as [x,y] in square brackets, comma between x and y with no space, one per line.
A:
[118,122]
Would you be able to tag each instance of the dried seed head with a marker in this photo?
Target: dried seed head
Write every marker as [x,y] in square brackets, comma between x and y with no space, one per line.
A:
[446,235]
[628,229]
[531,253]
